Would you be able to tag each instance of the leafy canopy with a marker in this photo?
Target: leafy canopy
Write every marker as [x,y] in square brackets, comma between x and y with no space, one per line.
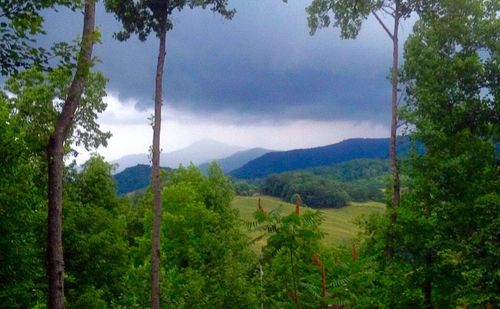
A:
[348,15]
[36,99]
[20,22]
[145,16]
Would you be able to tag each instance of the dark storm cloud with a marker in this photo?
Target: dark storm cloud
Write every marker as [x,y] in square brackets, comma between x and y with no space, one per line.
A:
[263,64]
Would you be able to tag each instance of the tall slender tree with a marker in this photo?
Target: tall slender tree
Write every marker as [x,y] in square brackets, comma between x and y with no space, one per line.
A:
[55,156]
[348,15]
[143,17]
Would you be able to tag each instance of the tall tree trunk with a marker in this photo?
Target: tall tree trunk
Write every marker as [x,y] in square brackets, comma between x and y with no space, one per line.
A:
[394,106]
[396,198]
[55,157]
[155,178]
[427,284]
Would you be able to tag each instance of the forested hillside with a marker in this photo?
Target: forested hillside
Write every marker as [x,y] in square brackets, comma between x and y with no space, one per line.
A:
[331,186]
[282,161]
[364,173]
[134,178]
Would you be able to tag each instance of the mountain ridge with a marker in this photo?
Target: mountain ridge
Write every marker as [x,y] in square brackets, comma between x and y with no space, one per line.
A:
[235,160]
[349,149]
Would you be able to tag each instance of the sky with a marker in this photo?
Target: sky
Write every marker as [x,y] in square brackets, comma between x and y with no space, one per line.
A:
[258,80]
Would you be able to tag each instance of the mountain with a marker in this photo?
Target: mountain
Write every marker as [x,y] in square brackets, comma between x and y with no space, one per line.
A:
[130,161]
[282,161]
[133,178]
[197,153]
[236,160]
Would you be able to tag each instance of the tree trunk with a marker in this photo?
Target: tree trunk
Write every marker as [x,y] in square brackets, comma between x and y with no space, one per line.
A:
[427,284]
[396,198]
[55,157]
[155,178]
[394,106]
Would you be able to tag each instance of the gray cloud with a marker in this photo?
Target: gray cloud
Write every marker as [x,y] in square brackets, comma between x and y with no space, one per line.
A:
[261,64]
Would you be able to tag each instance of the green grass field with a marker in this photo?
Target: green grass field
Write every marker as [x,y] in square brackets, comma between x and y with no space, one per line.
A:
[339,224]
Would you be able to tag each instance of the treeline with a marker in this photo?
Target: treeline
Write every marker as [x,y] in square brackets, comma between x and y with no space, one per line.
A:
[325,187]
[208,260]
[314,191]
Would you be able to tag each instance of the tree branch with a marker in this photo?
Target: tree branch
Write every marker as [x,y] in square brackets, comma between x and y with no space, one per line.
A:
[387,11]
[383,25]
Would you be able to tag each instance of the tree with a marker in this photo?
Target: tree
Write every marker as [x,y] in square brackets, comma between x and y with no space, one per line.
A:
[36,101]
[207,261]
[143,17]
[314,191]
[22,212]
[55,156]
[290,278]
[450,218]
[348,15]
[95,244]
[55,153]
[206,252]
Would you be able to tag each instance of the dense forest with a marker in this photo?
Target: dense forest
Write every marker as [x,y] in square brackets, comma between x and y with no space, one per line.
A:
[68,239]
[330,186]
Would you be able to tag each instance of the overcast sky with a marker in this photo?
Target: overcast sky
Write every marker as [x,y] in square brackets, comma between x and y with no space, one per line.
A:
[257,80]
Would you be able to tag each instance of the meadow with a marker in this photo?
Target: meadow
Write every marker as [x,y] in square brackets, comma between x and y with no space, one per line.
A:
[339,224]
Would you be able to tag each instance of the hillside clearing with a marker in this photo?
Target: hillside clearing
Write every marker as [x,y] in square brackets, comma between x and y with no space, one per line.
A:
[339,224]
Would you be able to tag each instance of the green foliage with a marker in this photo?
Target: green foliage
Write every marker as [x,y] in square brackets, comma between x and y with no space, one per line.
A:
[20,22]
[245,188]
[446,235]
[333,185]
[455,112]
[95,243]
[289,277]
[29,112]
[316,192]
[353,170]
[205,254]
[340,225]
[349,15]
[356,150]
[146,16]
[36,101]
[135,178]
[362,179]
[22,211]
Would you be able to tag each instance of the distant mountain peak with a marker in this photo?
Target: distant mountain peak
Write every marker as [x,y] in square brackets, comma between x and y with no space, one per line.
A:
[207,142]
[201,151]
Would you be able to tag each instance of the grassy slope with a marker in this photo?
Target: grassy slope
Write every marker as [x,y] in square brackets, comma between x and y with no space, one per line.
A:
[339,224]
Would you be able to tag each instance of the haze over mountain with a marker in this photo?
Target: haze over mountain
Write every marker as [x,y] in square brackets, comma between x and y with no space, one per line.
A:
[271,162]
[199,152]
[236,160]
[282,161]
